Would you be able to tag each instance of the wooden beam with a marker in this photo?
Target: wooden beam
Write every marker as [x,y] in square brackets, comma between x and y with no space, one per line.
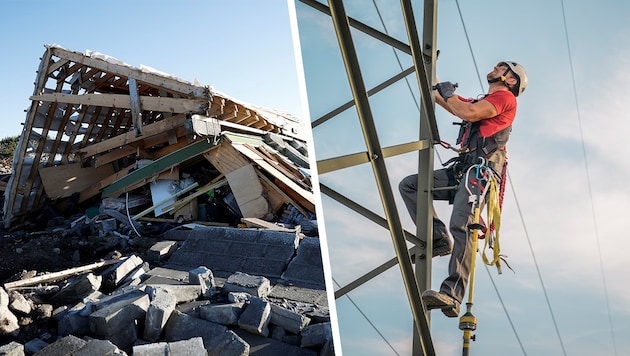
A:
[64,180]
[55,276]
[160,165]
[136,110]
[129,137]
[127,71]
[174,105]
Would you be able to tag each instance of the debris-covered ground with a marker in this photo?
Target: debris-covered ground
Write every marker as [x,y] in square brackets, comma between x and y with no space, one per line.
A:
[147,215]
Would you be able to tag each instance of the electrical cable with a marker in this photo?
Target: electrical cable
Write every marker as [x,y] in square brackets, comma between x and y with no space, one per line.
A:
[507,314]
[368,319]
[588,176]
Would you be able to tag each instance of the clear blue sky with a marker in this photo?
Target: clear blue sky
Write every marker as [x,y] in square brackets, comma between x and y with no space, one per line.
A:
[568,170]
[242,48]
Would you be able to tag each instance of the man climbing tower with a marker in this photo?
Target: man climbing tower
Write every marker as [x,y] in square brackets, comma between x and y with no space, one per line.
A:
[487,123]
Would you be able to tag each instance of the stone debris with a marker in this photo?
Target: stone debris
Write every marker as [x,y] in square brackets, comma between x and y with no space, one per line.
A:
[208,199]
[169,311]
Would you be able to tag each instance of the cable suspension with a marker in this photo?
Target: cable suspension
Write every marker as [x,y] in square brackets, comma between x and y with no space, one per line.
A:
[588,176]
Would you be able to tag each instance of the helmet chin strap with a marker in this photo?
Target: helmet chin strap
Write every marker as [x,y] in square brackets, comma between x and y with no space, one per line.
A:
[500,78]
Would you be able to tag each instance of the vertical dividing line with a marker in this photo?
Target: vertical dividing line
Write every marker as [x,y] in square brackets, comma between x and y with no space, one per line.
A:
[351,62]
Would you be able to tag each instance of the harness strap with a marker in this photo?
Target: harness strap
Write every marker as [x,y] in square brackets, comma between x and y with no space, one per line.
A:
[494,208]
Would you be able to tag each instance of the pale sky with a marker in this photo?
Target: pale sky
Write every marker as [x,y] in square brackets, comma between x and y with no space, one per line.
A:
[567,167]
[241,48]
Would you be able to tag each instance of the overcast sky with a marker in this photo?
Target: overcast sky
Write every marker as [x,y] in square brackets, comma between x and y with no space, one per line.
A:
[567,167]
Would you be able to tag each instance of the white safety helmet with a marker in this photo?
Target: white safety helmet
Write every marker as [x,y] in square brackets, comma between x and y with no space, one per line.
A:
[521,76]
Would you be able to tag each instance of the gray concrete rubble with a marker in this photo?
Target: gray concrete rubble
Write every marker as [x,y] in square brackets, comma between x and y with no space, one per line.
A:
[256,316]
[242,282]
[177,308]
[12,349]
[190,347]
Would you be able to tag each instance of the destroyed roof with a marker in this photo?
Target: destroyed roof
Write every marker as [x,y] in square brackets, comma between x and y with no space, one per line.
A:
[93,118]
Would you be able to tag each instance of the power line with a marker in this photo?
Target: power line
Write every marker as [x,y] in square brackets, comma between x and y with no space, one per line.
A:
[588,176]
[507,314]
[519,210]
[368,320]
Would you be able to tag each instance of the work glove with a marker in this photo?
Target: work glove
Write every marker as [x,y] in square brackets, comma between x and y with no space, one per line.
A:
[446,89]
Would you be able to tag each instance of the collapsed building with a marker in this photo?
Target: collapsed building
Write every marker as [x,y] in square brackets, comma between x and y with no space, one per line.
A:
[113,150]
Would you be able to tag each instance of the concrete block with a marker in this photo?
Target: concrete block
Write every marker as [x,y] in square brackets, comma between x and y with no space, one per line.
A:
[289,320]
[12,349]
[182,291]
[277,332]
[192,308]
[114,275]
[256,316]
[155,349]
[306,268]
[19,304]
[161,251]
[217,339]
[8,321]
[65,346]
[262,346]
[4,298]
[224,314]
[117,321]
[95,347]
[177,275]
[77,288]
[190,347]
[160,309]
[242,282]
[316,334]
[75,320]
[203,276]
[34,346]
[307,295]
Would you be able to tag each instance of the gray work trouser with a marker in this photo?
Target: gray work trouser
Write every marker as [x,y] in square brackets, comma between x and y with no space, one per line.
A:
[461,216]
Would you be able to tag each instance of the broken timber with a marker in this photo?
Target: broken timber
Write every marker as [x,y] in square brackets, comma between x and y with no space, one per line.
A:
[93,118]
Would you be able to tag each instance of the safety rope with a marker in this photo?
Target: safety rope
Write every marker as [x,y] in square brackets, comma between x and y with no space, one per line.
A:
[494,208]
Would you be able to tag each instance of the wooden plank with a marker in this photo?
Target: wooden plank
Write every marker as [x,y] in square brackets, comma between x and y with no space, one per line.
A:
[155,103]
[289,183]
[258,223]
[120,153]
[160,165]
[203,190]
[55,276]
[96,187]
[225,158]
[171,174]
[127,71]
[64,180]
[136,110]
[287,199]
[129,137]
[248,192]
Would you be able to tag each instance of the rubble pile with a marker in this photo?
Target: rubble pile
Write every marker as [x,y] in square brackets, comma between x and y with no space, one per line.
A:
[129,305]
[168,217]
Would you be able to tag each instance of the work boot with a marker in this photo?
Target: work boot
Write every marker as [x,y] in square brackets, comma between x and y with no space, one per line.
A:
[442,247]
[439,300]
